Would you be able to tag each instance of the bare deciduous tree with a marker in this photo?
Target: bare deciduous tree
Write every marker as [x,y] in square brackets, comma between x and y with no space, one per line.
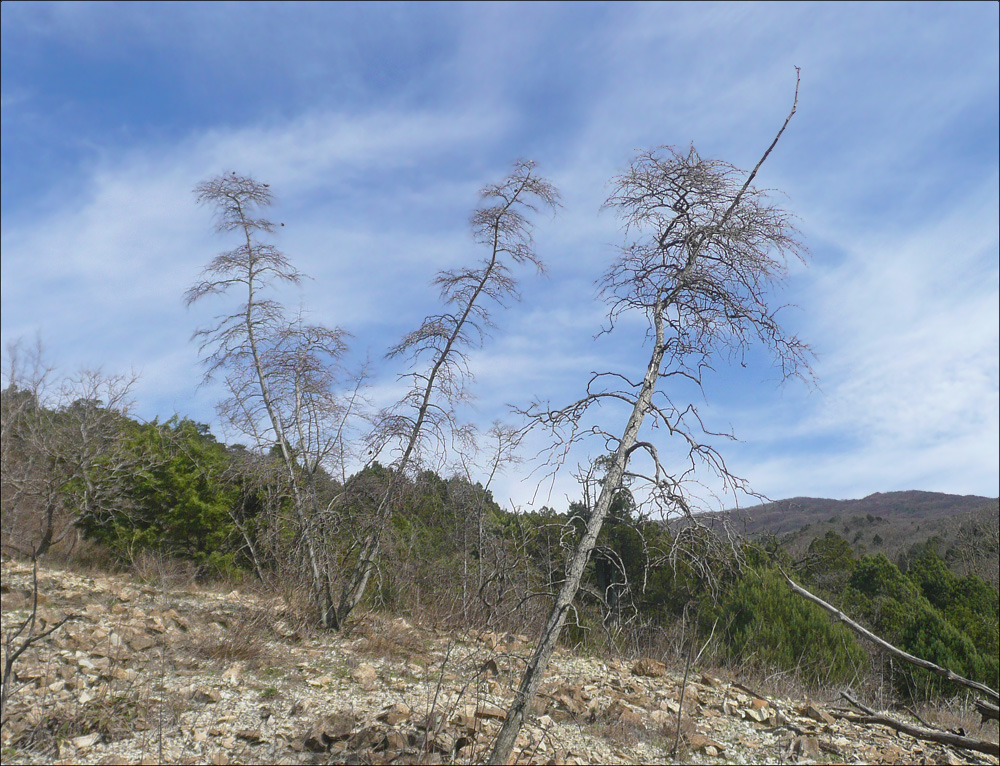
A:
[61,454]
[282,375]
[425,419]
[707,248]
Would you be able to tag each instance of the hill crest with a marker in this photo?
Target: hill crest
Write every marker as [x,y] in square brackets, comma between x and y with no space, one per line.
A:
[965,526]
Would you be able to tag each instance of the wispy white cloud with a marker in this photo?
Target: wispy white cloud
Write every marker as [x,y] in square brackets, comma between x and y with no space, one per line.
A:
[103,274]
[376,138]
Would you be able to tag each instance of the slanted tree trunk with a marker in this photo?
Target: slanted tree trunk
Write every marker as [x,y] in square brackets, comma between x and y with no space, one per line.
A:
[506,231]
[532,677]
[667,280]
[354,590]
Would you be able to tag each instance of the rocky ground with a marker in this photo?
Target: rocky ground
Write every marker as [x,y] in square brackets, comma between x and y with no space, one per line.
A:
[141,674]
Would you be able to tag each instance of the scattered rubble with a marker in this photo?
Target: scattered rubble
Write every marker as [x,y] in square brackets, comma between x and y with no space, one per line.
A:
[146,675]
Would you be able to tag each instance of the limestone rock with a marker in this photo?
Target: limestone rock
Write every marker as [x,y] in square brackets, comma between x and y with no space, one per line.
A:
[233,674]
[700,743]
[621,713]
[367,737]
[805,747]
[365,676]
[572,698]
[486,710]
[649,667]
[466,719]
[89,740]
[394,741]
[490,639]
[252,736]
[324,732]
[206,695]
[394,714]
[759,711]
[818,715]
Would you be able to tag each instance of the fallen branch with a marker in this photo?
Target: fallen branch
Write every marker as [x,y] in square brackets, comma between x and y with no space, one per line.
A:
[883,644]
[858,705]
[987,711]
[928,735]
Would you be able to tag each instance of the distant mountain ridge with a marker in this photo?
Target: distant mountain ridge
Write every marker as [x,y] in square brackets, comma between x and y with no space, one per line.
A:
[783,516]
[965,526]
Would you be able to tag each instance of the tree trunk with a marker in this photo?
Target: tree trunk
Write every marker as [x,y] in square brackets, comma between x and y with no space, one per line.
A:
[550,635]
[321,583]
[666,295]
[354,589]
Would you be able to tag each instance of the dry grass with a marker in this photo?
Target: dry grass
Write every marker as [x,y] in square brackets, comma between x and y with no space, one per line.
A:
[955,715]
[243,638]
[83,557]
[298,608]
[162,571]
[394,640]
[116,711]
[620,733]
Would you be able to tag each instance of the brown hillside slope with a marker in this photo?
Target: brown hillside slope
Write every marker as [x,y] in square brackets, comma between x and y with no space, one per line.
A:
[784,516]
[886,522]
[147,675]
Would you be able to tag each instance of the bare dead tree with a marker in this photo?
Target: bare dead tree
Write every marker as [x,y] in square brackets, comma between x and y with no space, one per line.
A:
[424,421]
[281,374]
[61,452]
[709,247]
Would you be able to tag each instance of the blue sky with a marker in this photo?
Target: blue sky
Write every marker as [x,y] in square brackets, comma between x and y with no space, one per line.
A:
[376,125]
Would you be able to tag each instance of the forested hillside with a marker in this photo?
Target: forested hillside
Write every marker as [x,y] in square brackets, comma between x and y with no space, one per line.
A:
[964,528]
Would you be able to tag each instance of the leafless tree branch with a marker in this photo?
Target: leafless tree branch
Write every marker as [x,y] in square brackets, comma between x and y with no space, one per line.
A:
[703,250]
[426,415]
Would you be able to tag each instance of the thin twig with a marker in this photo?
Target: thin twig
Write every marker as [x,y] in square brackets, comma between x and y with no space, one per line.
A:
[680,703]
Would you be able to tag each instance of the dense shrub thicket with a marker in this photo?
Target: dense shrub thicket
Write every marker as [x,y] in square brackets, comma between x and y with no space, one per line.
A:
[172,489]
[178,501]
[931,613]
